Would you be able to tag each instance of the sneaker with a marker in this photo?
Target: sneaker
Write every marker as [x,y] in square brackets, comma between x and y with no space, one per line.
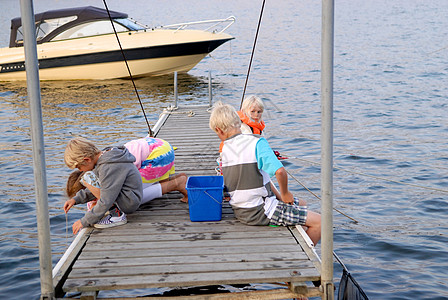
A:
[114,218]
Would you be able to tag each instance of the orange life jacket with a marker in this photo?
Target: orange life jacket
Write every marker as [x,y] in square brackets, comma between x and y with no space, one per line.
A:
[256,127]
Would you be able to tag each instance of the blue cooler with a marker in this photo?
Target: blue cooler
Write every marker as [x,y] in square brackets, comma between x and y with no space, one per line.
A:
[205,197]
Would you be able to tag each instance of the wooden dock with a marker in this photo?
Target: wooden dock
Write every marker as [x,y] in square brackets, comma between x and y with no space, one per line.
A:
[161,248]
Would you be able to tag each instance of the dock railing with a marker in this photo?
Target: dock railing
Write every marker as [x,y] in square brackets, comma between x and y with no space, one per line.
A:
[176,90]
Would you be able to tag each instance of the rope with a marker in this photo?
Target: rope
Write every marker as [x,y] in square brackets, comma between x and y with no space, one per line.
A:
[376,177]
[345,215]
[252,55]
[189,113]
[129,70]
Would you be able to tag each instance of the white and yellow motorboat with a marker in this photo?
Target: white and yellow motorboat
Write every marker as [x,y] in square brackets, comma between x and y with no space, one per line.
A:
[80,43]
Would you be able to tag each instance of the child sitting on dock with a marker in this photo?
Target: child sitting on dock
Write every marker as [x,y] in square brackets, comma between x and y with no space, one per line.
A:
[78,180]
[155,161]
[251,117]
[251,114]
[248,162]
[121,184]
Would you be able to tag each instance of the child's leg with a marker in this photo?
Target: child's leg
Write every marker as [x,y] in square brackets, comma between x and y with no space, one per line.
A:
[295,214]
[314,226]
[151,191]
[176,183]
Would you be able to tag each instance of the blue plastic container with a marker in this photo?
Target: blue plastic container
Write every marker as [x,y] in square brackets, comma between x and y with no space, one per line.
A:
[205,197]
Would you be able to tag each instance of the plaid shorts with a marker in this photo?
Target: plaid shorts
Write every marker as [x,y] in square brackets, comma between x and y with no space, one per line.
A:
[289,214]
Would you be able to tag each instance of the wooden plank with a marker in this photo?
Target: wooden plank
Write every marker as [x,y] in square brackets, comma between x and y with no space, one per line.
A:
[174,280]
[182,224]
[185,228]
[89,254]
[305,245]
[212,258]
[189,268]
[136,237]
[193,244]
[277,293]
[62,269]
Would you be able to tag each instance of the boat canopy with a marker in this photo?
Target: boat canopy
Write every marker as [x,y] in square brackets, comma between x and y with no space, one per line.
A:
[51,23]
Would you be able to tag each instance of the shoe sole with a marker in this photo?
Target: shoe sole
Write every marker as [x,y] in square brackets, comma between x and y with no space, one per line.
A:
[111,224]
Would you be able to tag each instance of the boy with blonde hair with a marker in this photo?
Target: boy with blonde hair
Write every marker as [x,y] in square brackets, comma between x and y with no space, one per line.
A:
[120,183]
[247,165]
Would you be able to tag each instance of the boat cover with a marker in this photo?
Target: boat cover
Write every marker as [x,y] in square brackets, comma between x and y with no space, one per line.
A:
[83,14]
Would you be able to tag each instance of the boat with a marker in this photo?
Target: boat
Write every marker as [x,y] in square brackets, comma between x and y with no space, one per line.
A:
[81,44]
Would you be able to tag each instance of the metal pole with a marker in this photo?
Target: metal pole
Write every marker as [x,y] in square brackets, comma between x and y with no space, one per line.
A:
[37,137]
[175,89]
[210,97]
[327,148]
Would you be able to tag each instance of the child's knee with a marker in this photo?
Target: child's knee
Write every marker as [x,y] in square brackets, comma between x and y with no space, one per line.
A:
[313,219]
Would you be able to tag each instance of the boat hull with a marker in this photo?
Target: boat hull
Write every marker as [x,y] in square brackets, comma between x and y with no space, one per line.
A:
[147,54]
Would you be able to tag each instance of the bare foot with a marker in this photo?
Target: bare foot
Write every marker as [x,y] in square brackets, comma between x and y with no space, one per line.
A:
[181,186]
[178,183]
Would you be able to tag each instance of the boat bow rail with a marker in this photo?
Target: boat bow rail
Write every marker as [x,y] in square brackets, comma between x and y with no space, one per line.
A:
[215,23]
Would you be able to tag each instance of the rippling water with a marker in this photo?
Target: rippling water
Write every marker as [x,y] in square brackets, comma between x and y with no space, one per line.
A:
[390,119]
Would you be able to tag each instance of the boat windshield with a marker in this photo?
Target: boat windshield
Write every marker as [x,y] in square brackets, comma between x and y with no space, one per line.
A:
[131,24]
[90,29]
[45,27]
[93,28]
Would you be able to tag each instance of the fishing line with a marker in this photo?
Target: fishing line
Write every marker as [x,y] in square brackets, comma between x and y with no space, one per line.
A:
[129,70]
[66,229]
[376,177]
[252,55]
[345,215]
[437,50]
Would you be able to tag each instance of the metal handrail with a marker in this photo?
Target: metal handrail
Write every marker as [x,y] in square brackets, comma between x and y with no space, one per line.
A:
[217,22]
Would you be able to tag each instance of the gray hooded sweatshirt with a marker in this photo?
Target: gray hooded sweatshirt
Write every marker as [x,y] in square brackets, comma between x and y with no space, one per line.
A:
[120,181]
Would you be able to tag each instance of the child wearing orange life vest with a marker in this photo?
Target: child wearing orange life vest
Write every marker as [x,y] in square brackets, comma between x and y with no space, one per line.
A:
[251,115]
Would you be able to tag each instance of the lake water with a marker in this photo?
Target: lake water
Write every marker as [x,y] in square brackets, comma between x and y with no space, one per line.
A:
[390,128]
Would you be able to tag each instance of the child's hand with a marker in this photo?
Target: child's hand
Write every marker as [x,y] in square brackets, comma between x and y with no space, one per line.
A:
[69,204]
[287,197]
[77,227]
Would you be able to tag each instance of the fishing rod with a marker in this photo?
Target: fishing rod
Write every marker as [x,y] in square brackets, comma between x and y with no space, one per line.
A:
[129,70]
[252,55]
